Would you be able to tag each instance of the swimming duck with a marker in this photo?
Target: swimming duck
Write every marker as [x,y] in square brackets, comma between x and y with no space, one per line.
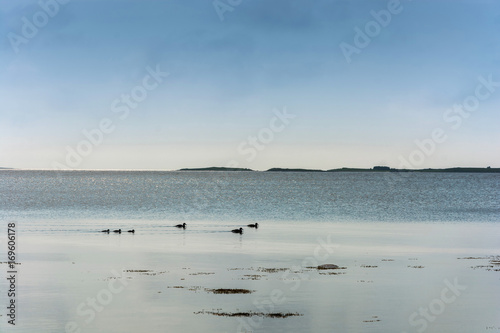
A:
[238,231]
[132,231]
[256,225]
[107,230]
[181,226]
[118,231]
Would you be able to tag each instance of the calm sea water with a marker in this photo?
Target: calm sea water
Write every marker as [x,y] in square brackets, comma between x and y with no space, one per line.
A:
[399,238]
[247,196]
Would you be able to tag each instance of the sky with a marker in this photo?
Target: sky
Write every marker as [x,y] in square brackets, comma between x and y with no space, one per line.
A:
[322,84]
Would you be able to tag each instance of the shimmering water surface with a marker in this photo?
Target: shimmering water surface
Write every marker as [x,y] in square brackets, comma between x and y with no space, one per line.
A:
[251,196]
[399,238]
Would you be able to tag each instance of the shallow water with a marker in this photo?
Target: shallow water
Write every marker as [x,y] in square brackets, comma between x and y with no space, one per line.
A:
[60,272]
[397,262]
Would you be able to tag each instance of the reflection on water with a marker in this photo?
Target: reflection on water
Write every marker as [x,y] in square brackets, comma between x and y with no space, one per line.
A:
[156,280]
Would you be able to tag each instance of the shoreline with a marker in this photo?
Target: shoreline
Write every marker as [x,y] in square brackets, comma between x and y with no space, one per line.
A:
[487,170]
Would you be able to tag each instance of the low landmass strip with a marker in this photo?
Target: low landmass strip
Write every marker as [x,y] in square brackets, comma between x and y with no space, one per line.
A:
[293,170]
[374,169]
[215,169]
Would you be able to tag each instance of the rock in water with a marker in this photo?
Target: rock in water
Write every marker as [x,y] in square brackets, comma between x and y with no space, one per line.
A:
[328,266]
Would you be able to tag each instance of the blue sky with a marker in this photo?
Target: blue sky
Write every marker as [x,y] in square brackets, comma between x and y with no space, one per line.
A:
[227,79]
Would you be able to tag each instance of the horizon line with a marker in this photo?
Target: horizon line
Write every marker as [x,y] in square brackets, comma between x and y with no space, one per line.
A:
[249,169]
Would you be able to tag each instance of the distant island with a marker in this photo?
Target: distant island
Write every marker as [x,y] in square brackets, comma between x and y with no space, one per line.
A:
[374,169]
[293,170]
[216,169]
[387,169]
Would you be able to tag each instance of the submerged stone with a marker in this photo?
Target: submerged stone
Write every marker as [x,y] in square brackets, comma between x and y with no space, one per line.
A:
[328,266]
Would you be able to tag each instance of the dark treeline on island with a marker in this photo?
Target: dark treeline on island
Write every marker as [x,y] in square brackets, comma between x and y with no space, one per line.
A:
[374,169]
[216,169]
[293,170]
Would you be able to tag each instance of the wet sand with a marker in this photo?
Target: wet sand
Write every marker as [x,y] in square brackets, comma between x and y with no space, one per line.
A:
[391,277]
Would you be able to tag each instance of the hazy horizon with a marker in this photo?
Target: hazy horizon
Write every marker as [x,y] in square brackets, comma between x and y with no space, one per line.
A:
[316,84]
[217,166]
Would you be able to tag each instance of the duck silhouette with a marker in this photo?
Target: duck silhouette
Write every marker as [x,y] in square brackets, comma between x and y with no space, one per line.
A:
[256,225]
[118,231]
[238,231]
[107,230]
[181,226]
[132,231]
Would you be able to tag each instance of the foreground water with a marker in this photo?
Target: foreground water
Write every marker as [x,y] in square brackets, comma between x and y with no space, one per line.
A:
[419,253]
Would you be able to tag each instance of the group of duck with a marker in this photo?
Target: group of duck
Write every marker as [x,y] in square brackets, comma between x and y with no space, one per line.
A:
[118,231]
[240,230]
[183,226]
[236,231]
